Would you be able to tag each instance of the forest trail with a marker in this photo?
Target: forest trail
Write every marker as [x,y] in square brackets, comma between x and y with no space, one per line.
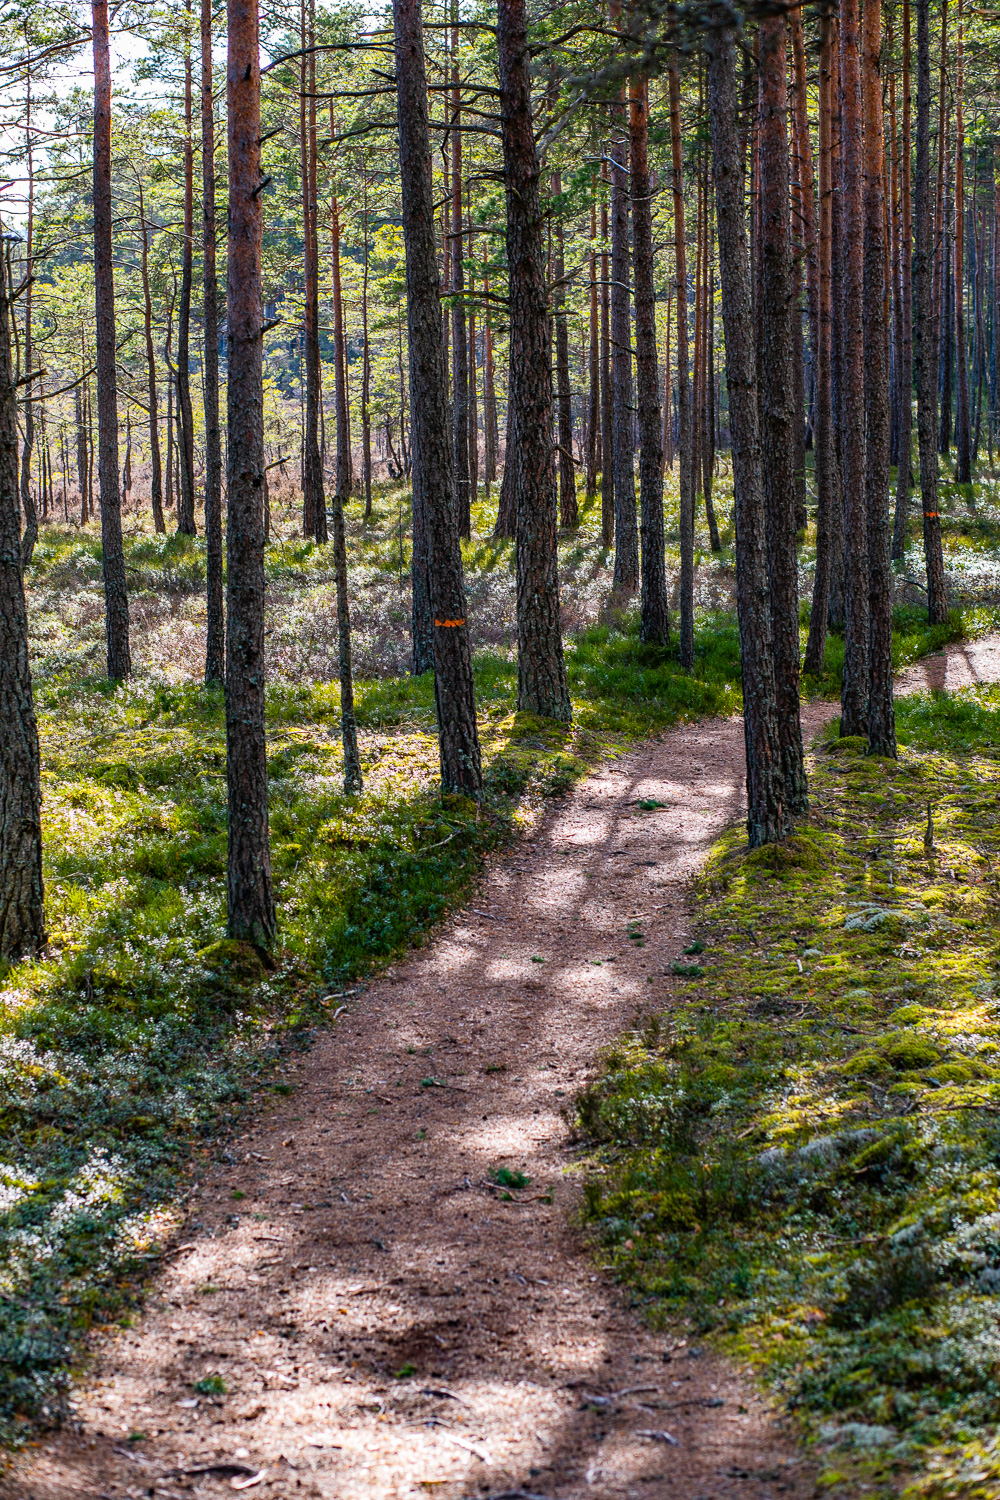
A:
[387,1324]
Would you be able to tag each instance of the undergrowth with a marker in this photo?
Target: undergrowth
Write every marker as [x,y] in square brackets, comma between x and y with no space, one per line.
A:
[802,1155]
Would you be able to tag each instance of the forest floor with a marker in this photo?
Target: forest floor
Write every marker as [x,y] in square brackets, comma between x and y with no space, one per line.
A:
[381,1289]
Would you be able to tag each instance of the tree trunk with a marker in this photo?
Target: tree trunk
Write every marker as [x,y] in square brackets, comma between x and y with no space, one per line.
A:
[22,917]
[594,359]
[881,715]
[433,476]
[366,371]
[156,477]
[767,820]
[215,635]
[506,523]
[683,378]
[353,783]
[314,497]
[459,330]
[925,352]
[905,377]
[626,574]
[248,877]
[777,415]
[963,433]
[569,518]
[854,691]
[81,451]
[185,501]
[837,588]
[343,461]
[654,621]
[115,592]
[827,476]
[541,672]
[491,434]
[30,536]
[607,404]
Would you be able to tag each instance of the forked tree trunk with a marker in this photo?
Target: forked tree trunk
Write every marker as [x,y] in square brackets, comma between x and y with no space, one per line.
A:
[22,917]
[854,691]
[185,500]
[215,634]
[827,473]
[113,552]
[777,396]
[767,819]
[684,424]
[925,353]
[654,619]
[881,716]
[431,438]
[251,914]
[541,671]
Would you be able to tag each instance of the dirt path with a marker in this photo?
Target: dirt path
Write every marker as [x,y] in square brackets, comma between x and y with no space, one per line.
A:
[384,1322]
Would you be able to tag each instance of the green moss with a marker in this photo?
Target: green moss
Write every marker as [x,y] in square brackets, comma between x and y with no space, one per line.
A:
[826,1103]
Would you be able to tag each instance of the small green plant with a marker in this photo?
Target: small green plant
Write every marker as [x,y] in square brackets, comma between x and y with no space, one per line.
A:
[405,1371]
[238,1193]
[209,1385]
[506,1177]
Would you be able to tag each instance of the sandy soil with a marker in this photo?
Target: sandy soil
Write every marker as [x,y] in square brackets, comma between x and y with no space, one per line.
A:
[385,1322]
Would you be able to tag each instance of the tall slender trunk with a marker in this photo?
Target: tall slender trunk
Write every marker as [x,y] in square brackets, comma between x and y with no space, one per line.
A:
[113,552]
[568,513]
[963,433]
[777,415]
[854,691]
[607,403]
[708,399]
[904,472]
[215,635]
[473,364]
[541,671]
[827,478]
[668,412]
[79,410]
[626,573]
[459,332]
[490,423]
[925,361]
[805,207]
[593,359]
[366,370]
[343,460]
[251,914]
[22,915]
[767,819]
[654,622]
[30,536]
[881,715]
[433,476]
[314,496]
[185,503]
[683,377]
[156,477]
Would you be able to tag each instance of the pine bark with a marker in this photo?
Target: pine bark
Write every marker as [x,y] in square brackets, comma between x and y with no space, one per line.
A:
[459,331]
[607,403]
[925,353]
[22,916]
[185,500]
[156,477]
[30,536]
[963,431]
[251,913]
[827,473]
[654,618]
[119,658]
[684,422]
[541,672]
[854,691]
[431,437]
[569,518]
[215,635]
[593,360]
[314,521]
[881,715]
[626,573]
[767,818]
[904,474]
[777,413]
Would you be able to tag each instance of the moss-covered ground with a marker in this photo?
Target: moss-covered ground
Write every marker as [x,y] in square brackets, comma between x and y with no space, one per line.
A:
[801,1157]
[133,1044]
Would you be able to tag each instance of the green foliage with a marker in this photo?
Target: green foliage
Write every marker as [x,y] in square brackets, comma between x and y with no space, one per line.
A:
[802,1156]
